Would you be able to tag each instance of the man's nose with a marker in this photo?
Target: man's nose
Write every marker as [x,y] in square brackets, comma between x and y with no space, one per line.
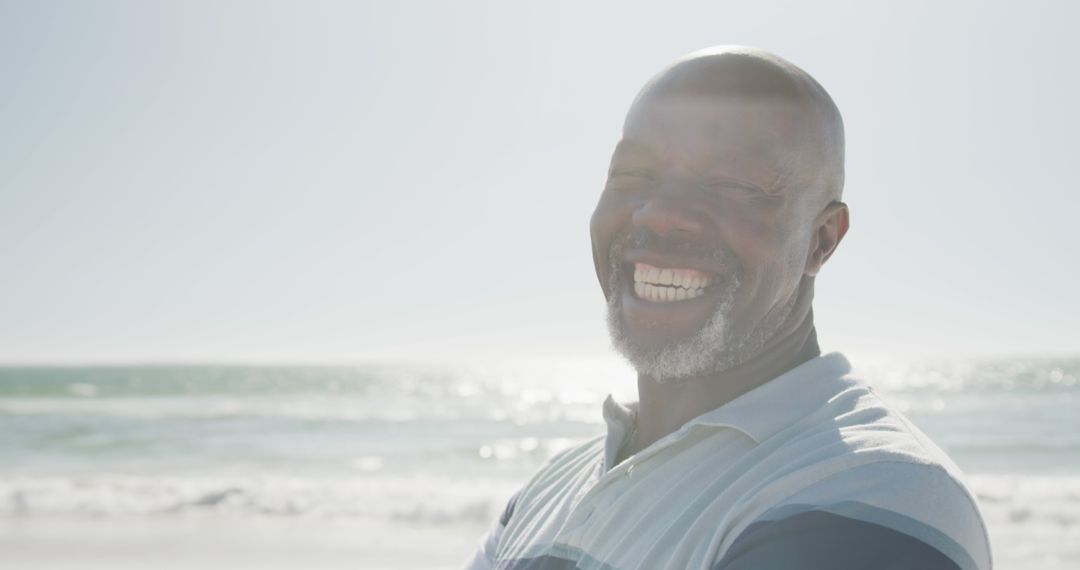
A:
[666,215]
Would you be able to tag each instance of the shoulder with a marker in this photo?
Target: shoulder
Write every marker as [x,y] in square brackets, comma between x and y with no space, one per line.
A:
[855,427]
[884,504]
[858,480]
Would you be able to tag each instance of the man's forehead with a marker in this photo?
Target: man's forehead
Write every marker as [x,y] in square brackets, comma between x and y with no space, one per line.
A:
[717,117]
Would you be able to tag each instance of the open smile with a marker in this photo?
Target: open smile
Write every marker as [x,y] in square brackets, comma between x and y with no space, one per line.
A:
[668,284]
[667,292]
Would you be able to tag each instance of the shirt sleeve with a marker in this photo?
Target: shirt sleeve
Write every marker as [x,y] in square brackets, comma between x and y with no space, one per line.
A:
[888,515]
[820,540]
[484,557]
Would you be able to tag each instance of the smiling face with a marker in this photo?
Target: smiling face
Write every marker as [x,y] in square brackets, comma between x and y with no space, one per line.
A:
[704,231]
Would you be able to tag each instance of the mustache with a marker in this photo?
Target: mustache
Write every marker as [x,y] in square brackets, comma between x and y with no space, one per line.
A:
[642,238]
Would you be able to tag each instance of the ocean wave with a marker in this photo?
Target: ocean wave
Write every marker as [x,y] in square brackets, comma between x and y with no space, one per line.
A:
[1044,504]
[563,380]
[1047,504]
[420,499]
[1064,444]
[991,375]
[322,408]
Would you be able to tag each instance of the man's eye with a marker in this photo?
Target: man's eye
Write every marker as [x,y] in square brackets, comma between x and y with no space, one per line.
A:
[631,173]
[731,188]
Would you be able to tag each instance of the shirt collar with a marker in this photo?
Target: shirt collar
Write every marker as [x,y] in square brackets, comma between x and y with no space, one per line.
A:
[761,412]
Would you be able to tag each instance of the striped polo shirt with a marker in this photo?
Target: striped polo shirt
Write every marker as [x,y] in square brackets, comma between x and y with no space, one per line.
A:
[811,470]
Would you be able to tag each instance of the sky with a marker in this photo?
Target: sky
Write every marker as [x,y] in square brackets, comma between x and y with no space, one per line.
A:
[350,181]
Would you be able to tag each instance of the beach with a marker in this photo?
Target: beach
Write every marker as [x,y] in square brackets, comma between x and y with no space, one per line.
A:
[406,466]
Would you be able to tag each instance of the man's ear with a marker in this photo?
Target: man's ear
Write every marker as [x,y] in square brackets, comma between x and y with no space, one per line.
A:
[829,228]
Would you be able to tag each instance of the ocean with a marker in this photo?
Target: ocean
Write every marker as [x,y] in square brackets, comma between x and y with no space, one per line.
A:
[406,466]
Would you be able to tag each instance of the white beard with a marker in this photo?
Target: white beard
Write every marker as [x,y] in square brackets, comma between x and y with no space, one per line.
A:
[707,350]
[712,349]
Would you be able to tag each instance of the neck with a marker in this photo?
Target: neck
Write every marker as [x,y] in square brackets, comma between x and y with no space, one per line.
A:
[665,408]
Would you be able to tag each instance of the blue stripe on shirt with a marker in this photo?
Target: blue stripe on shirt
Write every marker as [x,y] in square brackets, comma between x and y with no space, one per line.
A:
[822,540]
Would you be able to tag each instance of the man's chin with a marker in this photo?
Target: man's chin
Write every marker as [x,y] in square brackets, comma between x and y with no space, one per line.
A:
[659,323]
[653,336]
[673,340]
[664,355]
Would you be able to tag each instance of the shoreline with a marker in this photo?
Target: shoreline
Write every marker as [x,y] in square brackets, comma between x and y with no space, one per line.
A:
[47,543]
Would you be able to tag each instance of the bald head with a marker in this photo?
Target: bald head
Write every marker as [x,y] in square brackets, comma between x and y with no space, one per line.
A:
[729,169]
[753,77]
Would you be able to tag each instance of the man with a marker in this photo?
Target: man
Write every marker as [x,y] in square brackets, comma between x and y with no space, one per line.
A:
[748,448]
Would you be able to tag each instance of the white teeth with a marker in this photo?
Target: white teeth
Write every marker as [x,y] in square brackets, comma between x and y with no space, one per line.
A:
[663,294]
[661,285]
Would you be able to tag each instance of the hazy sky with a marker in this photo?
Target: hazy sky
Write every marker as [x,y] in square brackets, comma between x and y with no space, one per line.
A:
[341,181]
